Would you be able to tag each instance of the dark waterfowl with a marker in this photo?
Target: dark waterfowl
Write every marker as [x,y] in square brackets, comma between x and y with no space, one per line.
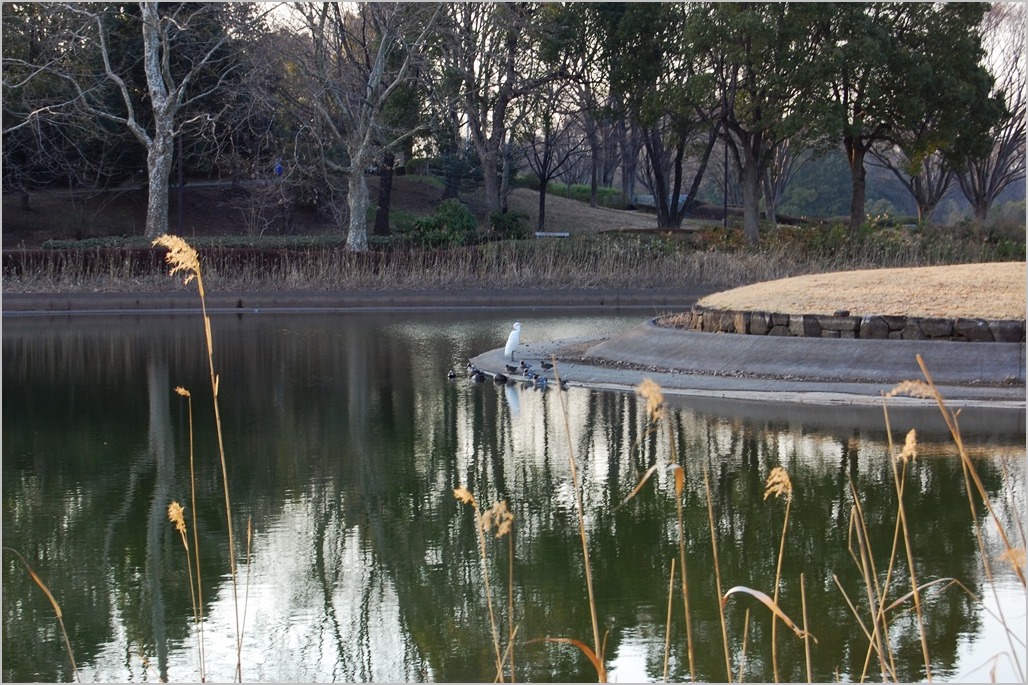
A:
[499,378]
[545,364]
[451,374]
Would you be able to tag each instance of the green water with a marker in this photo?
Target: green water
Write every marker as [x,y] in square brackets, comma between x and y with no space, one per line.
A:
[345,440]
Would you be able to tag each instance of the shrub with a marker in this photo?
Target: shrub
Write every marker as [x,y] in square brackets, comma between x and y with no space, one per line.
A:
[452,225]
[421,165]
[512,225]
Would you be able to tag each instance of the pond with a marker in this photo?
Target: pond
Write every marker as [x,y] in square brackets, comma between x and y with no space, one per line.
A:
[344,443]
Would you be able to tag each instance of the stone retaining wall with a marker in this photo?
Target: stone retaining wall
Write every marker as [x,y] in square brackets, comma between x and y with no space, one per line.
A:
[842,325]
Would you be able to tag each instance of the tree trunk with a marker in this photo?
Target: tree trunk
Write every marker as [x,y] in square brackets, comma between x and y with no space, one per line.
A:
[750,180]
[357,200]
[697,179]
[629,161]
[658,179]
[505,174]
[491,183]
[981,212]
[159,148]
[542,204]
[451,177]
[855,156]
[385,193]
[158,171]
[594,165]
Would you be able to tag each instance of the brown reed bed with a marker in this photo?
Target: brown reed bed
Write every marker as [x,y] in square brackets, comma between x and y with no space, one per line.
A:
[622,261]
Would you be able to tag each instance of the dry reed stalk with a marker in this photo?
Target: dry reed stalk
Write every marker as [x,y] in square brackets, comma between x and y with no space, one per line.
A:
[56,608]
[972,485]
[500,516]
[853,609]
[176,517]
[601,669]
[806,633]
[667,628]
[879,644]
[249,569]
[656,411]
[779,485]
[182,257]
[679,490]
[970,472]
[745,642]
[198,612]
[717,576]
[679,471]
[899,477]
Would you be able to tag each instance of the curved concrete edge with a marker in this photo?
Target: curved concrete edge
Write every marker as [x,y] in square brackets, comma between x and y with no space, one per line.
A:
[788,371]
[880,361]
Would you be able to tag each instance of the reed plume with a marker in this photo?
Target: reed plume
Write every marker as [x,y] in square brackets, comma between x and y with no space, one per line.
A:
[500,517]
[780,485]
[182,258]
[198,609]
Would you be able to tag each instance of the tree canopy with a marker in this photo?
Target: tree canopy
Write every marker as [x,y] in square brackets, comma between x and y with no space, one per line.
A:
[637,94]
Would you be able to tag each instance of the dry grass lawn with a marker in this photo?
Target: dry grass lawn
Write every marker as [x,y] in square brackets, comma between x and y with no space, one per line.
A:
[563,214]
[991,291]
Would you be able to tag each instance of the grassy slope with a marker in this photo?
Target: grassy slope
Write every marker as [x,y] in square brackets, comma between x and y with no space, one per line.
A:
[219,210]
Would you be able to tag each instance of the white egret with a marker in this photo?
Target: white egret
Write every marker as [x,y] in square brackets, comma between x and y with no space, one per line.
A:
[513,340]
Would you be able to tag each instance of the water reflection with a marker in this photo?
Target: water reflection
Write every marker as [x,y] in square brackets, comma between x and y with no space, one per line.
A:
[345,440]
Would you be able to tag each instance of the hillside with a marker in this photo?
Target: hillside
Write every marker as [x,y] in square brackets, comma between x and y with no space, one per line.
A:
[219,209]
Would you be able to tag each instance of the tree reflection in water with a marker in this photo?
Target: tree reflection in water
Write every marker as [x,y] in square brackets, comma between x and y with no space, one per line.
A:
[345,441]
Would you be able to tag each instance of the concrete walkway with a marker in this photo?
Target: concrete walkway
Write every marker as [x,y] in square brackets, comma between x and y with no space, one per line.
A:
[790,370]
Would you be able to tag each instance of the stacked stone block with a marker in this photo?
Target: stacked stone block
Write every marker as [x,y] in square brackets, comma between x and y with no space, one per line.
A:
[844,326]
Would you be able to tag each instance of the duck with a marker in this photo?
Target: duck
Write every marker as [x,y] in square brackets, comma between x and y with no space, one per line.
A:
[510,368]
[541,383]
[451,374]
[546,365]
[478,375]
[564,384]
[499,378]
[524,367]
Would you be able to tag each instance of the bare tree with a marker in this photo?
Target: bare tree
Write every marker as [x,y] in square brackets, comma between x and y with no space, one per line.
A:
[183,58]
[354,59]
[927,182]
[783,162]
[983,178]
[552,140]
[485,61]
